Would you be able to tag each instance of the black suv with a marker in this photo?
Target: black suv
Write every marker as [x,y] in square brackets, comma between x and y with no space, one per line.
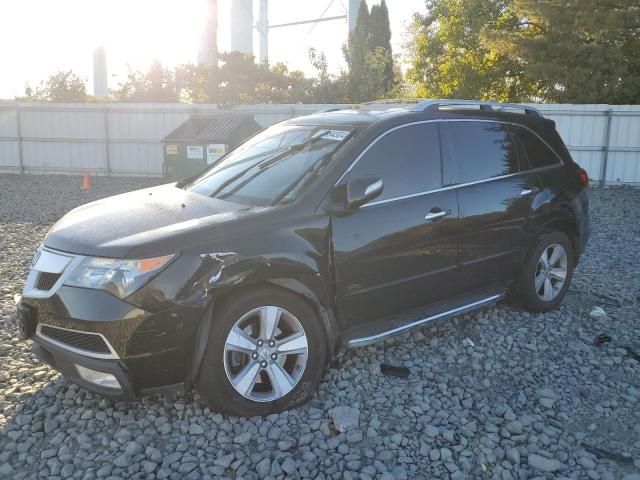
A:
[326,231]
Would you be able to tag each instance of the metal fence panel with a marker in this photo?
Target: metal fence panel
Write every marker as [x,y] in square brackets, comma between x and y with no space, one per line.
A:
[125,139]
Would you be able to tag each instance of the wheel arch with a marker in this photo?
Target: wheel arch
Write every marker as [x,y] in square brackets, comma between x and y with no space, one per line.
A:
[289,285]
[570,229]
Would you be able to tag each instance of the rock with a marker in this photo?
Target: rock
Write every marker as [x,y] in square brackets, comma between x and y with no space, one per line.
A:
[133,448]
[597,312]
[515,428]
[345,418]
[6,470]
[431,430]
[354,436]
[149,467]
[50,425]
[289,466]
[514,456]
[122,461]
[587,463]
[243,438]
[195,429]
[544,464]
[263,467]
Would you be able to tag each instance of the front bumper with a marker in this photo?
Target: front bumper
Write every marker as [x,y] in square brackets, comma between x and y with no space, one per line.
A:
[146,352]
[67,363]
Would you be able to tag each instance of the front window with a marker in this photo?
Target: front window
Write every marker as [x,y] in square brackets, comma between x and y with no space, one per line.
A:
[273,167]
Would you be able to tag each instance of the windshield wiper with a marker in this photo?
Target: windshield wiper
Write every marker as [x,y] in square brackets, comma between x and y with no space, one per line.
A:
[262,166]
[310,172]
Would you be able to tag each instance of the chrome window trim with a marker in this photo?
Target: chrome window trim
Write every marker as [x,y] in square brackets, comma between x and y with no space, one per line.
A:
[457,185]
[357,342]
[80,351]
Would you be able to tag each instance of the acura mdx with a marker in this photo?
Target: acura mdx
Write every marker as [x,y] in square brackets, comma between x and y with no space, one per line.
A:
[332,230]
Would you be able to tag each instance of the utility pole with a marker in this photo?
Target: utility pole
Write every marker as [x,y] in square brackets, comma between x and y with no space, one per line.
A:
[263,31]
[352,13]
[208,53]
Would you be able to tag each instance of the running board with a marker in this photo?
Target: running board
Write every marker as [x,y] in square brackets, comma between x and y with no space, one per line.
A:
[368,340]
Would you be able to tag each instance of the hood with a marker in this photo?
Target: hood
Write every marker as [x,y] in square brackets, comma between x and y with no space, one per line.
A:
[144,223]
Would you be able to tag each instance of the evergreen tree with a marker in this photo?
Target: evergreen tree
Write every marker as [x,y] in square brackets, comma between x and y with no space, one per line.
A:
[357,48]
[576,51]
[369,56]
[380,36]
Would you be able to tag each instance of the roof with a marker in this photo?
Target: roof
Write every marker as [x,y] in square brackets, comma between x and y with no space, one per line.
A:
[216,127]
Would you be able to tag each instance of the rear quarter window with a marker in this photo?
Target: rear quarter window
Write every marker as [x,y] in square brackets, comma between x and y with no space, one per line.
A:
[535,150]
[482,150]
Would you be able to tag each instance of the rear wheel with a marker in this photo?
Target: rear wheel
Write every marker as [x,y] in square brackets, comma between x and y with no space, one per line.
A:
[547,272]
[266,353]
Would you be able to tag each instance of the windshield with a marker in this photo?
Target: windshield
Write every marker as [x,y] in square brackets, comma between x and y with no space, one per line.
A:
[273,167]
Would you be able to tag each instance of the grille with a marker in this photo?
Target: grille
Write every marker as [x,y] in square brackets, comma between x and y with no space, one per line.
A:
[84,341]
[46,280]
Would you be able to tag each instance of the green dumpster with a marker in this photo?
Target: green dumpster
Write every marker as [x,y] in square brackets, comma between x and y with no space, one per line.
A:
[203,139]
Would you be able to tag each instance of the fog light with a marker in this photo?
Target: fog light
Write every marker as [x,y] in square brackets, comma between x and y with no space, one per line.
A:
[105,380]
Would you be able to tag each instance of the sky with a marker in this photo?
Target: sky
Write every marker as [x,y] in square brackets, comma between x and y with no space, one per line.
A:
[40,37]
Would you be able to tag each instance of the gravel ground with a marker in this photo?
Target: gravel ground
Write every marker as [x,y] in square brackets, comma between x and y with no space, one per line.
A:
[533,397]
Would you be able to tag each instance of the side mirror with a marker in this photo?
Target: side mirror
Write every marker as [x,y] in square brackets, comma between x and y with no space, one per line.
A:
[362,191]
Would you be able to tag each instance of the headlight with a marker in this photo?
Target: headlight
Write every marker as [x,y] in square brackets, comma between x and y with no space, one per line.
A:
[120,277]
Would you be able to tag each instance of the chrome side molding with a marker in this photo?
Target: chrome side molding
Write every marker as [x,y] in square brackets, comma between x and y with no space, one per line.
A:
[358,342]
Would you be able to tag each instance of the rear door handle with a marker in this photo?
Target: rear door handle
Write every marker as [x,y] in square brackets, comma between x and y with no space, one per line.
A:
[432,216]
[527,191]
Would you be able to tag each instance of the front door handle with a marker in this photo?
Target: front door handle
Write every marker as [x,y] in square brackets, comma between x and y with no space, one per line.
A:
[432,216]
[527,191]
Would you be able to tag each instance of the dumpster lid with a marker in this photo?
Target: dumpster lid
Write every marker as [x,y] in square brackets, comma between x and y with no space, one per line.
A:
[217,127]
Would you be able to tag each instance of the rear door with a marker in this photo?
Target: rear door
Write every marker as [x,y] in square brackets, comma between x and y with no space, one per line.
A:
[389,258]
[497,199]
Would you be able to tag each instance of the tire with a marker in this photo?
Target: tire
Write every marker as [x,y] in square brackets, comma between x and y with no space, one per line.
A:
[537,300]
[223,361]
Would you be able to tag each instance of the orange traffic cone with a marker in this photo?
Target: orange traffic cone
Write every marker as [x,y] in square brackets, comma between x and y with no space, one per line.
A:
[86,181]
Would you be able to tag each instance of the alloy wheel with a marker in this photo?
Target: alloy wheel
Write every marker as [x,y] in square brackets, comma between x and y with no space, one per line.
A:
[265,354]
[551,272]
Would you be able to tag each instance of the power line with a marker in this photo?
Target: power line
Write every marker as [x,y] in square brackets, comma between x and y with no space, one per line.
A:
[316,23]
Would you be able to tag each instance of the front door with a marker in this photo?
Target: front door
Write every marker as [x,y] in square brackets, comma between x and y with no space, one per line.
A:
[497,199]
[399,251]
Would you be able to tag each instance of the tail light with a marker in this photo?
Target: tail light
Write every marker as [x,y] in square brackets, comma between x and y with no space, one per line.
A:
[584,176]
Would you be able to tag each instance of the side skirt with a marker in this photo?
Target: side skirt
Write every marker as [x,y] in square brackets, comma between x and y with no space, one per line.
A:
[360,338]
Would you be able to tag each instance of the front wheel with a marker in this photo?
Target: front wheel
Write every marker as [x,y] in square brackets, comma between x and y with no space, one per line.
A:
[266,353]
[547,272]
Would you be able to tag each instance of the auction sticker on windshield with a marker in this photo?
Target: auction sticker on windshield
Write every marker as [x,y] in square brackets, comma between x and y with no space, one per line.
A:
[336,135]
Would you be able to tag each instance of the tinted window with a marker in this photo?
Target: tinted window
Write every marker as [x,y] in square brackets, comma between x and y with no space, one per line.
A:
[407,160]
[483,150]
[538,154]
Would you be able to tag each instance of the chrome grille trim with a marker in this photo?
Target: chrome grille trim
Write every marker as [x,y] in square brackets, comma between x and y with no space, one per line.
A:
[80,351]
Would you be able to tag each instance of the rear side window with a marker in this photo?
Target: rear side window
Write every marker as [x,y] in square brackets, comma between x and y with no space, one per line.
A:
[536,151]
[407,160]
[483,150]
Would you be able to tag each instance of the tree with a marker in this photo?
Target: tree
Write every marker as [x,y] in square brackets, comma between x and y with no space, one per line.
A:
[64,86]
[327,88]
[380,31]
[369,56]
[158,84]
[575,51]
[449,60]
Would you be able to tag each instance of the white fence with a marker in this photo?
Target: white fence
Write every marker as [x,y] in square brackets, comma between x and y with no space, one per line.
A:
[125,139]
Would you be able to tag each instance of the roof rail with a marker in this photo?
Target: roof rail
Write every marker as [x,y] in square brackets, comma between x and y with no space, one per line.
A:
[426,105]
[392,100]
